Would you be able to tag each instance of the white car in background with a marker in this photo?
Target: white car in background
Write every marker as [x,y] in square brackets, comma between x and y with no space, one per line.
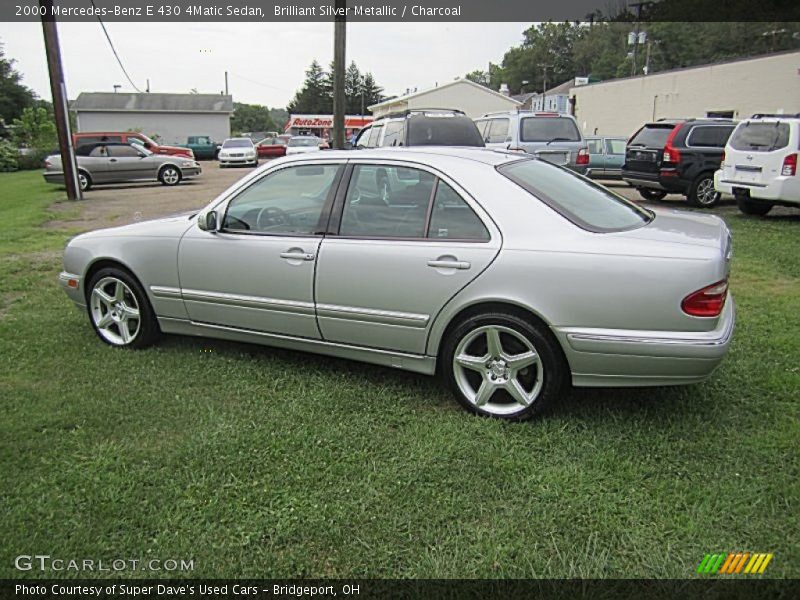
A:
[760,164]
[238,151]
[302,144]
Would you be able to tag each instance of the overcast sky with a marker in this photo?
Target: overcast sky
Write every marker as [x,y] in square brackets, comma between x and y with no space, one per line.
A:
[265,61]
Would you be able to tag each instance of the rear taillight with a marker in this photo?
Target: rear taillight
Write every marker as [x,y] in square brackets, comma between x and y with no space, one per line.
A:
[789,165]
[671,154]
[707,302]
[722,160]
[583,157]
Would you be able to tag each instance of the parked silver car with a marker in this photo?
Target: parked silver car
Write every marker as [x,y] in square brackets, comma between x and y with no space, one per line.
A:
[508,274]
[238,151]
[112,162]
[551,136]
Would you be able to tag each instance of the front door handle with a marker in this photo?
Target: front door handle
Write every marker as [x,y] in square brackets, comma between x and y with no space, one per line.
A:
[449,264]
[295,255]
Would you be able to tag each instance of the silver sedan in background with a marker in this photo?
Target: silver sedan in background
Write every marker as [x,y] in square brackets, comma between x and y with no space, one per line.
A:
[114,162]
[238,152]
[509,276]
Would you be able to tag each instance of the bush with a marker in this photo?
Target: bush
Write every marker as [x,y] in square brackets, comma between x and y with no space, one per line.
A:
[33,158]
[8,157]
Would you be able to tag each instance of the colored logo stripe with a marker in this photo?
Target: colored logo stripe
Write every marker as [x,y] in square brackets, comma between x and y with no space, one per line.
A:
[734,563]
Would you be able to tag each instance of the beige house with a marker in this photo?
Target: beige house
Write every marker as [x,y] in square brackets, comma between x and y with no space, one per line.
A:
[737,89]
[461,94]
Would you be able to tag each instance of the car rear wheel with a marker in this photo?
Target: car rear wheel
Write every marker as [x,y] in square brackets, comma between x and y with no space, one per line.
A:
[651,195]
[170,175]
[702,192]
[752,207]
[119,309]
[500,365]
[84,180]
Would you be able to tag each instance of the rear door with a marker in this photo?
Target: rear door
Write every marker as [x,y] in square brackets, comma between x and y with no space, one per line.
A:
[706,144]
[551,137]
[646,149]
[390,264]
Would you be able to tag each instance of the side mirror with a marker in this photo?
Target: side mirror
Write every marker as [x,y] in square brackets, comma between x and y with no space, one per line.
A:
[207,221]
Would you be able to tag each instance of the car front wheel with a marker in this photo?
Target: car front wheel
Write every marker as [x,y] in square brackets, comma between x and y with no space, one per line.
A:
[649,194]
[119,310]
[702,192]
[169,175]
[502,366]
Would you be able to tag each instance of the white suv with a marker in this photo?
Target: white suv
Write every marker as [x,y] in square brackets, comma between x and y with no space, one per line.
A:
[760,164]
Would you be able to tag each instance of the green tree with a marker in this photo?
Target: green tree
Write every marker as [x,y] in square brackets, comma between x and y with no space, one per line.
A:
[252,117]
[314,97]
[478,76]
[353,84]
[373,93]
[14,96]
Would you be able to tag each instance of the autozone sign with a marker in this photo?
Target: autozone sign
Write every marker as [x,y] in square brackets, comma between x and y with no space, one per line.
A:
[325,121]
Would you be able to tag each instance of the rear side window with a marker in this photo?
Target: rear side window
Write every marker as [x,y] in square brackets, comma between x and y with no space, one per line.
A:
[709,136]
[652,136]
[498,131]
[394,134]
[760,137]
[424,130]
[547,129]
[452,218]
[615,146]
[588,205]
[374,134]
[595,146]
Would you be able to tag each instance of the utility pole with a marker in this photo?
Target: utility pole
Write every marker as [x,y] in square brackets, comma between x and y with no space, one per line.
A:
[226,83]
[148,87]
[59,92]
[638,6]
[339,105]
[544,84]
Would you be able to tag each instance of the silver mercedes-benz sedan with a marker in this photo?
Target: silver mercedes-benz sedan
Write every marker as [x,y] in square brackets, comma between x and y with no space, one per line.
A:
[509,276]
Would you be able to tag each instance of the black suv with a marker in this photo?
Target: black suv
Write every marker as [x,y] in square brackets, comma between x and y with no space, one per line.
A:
[677,157]
[421,127]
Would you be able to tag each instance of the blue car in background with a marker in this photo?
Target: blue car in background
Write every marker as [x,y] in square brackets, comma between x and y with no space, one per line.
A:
[606,157]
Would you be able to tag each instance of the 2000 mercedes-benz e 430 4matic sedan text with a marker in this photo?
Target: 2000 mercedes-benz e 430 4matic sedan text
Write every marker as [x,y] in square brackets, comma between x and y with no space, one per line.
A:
[510,276]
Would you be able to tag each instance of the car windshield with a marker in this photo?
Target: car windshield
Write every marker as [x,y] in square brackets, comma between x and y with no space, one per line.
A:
[585,203]
[443,130]
[238,143]
[142,149]
[652,136]
[547,129]
[760,137]
[304,141]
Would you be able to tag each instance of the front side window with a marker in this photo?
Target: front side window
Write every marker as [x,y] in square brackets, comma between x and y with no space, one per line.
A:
[99,152]
[386,201]
[549,129]
[585,203]
[124,152]
[286,202]
[760,137]
[374,134]
[452,218]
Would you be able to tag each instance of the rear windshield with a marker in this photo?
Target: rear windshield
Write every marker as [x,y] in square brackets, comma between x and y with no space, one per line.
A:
[585,203]
[426,130]
[309,141]
[652,136]
[548,129]
[760,137]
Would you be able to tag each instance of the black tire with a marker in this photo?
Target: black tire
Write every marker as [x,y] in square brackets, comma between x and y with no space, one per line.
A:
[702,193]
[147,331]
[652,195]
[549,373]
[748,206]
[84,181]
[170,175]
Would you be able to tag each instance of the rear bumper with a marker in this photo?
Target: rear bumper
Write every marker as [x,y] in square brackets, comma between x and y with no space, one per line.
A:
[54,177]
[627,358]
[601,173]
[784,189]
[654,181]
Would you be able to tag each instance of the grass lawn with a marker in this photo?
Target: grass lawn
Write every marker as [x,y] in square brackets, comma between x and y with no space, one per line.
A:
[263,463]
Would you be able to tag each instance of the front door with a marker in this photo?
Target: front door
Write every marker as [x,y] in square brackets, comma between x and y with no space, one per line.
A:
[126,163]
[257,272]
[407,242]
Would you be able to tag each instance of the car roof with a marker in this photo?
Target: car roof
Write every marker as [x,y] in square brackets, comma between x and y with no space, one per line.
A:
[422,154]
[239,139]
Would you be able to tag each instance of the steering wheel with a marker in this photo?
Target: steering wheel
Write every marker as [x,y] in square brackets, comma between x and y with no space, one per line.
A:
[270,216]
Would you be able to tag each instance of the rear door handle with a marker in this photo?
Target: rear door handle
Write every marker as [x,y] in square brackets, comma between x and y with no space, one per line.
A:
[449,264]
[297,255]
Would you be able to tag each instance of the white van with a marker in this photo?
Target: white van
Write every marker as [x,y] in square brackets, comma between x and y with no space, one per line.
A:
[760,164]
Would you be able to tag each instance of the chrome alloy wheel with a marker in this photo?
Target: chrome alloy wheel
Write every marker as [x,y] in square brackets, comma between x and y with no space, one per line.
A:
[115,311]
[170,176]
[83,181]
[706,194]
[498,370]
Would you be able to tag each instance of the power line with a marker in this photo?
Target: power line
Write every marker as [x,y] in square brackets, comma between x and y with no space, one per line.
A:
[114,50]
[259,82]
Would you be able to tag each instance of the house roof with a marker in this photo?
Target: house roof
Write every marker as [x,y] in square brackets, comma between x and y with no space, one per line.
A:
[448,84]
[109,101]
[523,98]
[561,89]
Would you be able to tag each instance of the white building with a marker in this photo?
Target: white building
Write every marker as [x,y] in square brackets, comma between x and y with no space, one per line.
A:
[167,118]
[461,94]
[734,89]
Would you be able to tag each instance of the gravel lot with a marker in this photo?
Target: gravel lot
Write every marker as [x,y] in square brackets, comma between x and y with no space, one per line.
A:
[111,205]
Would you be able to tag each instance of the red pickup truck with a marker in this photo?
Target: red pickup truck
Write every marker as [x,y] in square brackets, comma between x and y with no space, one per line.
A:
[91,137]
